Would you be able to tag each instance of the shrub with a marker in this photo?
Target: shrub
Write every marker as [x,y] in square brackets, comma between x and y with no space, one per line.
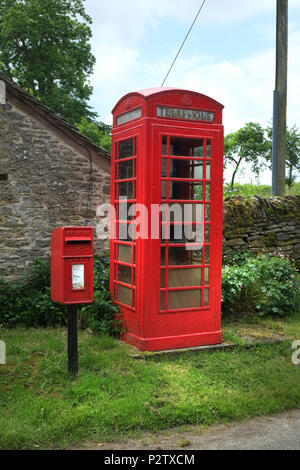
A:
[266,285]
[237,257]
[101,315]
[28,303]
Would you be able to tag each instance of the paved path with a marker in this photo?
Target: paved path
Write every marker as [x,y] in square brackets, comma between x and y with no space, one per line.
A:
[280,432]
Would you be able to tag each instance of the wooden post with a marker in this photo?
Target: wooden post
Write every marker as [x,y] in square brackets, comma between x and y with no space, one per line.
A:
[280,99]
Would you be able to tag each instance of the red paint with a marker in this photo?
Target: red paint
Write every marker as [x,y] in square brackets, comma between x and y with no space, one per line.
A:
[167,302]
[71,257]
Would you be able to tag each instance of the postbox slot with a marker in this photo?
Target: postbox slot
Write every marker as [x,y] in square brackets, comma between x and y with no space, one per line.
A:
[76,241]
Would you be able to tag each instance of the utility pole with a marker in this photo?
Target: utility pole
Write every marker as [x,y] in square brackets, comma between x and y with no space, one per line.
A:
[280,100]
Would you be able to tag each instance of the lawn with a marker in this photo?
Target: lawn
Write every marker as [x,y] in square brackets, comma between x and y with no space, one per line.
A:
[116,396]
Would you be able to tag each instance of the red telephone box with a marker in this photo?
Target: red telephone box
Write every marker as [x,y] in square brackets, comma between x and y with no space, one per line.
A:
[166,226]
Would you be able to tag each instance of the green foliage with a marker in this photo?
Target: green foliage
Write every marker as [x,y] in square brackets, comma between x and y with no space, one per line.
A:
[237,257]
[98,132]
[250,190]
[292,158]
[247,145]
[28,301]
[101,315]
[45,49]
[265,285]
[229,191]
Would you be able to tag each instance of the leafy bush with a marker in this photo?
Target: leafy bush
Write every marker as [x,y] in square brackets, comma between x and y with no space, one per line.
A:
[28,301]
[237,257]
[266,285]
[101,315]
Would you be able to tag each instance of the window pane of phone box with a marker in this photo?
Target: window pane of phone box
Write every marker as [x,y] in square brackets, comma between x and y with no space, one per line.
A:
[184,299]
[184,277]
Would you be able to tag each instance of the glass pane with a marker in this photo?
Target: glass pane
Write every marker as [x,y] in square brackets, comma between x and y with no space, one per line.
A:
[208,148]
[135,146]
[184,277]
[123,273]
[206,298]
[125,211]
[124,232]
[124,295]
[126,190]
[208,171]
[184,299]
[207,212]
[185,212]
[126,148]
[126,170]
[186,168]
[207,232]
[125,253]
[186,147]
[207,192]
[164,167]
[163,256]
[206,255]
[163,189]
[164,149]
[187,233]
[206,275]
[162,278]
[186,190]
[178,255]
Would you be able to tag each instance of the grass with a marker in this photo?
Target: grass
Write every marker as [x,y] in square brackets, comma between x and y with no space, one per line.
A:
[116,396]
[249,190]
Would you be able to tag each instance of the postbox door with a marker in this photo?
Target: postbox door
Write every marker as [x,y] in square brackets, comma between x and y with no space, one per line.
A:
[190,172]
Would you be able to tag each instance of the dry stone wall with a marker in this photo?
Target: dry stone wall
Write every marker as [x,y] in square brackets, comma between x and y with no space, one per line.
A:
[263,225]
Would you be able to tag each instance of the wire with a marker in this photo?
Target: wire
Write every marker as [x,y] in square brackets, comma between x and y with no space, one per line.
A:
[183,42]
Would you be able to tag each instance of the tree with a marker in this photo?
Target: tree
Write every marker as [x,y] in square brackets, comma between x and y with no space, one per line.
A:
[247,145]
[292,157]
[45,49]
[98,132]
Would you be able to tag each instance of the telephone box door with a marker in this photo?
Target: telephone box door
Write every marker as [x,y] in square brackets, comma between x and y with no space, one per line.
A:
[185,259]
[126,161]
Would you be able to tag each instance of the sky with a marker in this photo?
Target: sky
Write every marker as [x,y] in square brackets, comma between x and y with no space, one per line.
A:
[229,54]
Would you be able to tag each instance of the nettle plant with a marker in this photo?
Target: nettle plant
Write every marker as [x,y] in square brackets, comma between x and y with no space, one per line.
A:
[263,285]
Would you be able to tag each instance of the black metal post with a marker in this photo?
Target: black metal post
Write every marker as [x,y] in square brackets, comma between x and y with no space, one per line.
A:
[72,341]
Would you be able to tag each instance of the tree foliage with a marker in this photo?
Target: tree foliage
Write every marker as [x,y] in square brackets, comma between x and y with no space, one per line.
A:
[292,157]
[247,145]
[45,49]
[98,132]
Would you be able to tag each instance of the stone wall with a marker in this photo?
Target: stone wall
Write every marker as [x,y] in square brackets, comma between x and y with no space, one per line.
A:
[263,225]
[44,183]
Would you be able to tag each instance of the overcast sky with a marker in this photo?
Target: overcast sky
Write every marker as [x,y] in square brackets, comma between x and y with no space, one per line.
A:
[229,55]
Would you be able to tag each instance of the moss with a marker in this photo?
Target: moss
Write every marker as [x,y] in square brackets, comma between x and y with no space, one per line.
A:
[270,239]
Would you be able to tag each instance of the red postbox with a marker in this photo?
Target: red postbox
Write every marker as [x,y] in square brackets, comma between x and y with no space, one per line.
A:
[166,226]
[72,265]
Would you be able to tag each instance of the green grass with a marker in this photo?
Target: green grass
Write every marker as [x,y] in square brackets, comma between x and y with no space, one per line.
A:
[249,190]
[116,396]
